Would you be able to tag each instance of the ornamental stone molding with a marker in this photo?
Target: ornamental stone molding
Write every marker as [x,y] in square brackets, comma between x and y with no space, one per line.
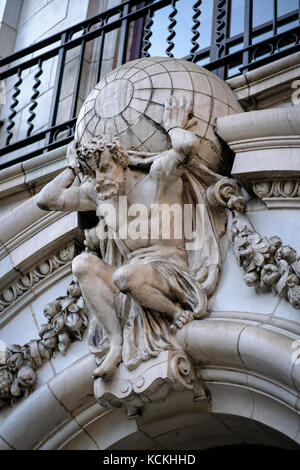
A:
[45,268]
[245,366]
[269,86]
[284,193]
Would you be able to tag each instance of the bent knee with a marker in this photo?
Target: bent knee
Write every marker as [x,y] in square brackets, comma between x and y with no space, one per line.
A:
[124,279]
[82,264]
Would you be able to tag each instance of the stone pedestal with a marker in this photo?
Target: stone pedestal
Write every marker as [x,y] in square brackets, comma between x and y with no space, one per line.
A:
[151,381]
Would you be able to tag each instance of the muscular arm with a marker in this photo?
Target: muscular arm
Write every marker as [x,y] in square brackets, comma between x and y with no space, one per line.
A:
[171,164]
[64,193]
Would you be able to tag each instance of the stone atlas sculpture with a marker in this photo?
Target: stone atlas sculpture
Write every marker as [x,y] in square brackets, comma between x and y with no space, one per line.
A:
[145,157]
[145,136]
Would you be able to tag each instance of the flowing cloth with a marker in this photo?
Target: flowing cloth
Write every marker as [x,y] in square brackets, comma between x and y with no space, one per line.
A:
[145,331]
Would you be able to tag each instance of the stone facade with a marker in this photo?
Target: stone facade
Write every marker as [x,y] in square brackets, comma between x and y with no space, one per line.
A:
[245,352]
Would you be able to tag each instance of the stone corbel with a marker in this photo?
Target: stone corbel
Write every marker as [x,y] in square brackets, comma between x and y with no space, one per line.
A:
[151,381]
[266,144]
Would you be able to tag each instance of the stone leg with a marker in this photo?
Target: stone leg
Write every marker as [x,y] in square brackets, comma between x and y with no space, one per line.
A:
[95,280]
[149,288]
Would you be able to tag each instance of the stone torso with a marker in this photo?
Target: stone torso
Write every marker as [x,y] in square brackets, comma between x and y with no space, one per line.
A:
[147,203]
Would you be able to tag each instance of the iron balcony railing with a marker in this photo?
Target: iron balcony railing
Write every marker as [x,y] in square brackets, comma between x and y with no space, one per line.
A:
[249,53]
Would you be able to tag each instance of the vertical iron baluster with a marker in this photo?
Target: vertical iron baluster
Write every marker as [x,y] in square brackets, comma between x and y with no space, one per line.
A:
[123,36]
[148,34]
[195,30]
[102,42]
[78,79]
[137,36]
[247,32]
[34,97]
[274,17]
[57,84]
[171,26]
[14,104]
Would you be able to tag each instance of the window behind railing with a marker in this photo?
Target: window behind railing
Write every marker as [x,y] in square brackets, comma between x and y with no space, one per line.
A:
[228,37]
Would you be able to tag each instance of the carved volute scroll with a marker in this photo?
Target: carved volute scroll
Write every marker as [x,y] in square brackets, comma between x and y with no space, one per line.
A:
[150,382]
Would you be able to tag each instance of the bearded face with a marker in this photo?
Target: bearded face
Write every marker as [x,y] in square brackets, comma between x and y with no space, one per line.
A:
[104,174]
[110,190]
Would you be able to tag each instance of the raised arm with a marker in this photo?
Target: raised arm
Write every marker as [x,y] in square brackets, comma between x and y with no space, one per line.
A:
[171,164]
[64,193]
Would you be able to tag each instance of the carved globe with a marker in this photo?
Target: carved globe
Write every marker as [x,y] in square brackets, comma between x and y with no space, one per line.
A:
[129,103]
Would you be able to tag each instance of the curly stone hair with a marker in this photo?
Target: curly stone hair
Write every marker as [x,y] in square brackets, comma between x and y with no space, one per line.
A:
[78,153]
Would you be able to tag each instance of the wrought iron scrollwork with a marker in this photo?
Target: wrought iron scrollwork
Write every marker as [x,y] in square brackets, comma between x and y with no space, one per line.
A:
[224,56]
[14,104]
[289,39]
[147,34]
[195,30]
[274,45]
[171,27]
[221,26]
[34,98]
[64,131]
[262,51]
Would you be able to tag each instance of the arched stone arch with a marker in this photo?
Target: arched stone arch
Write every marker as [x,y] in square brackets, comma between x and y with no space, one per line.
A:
[250,376]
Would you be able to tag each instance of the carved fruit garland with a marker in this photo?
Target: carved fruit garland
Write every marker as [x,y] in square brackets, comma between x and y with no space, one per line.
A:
[67,321]
[268,264]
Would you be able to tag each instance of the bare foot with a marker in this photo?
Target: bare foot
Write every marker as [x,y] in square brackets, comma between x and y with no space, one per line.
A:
[182,318]
[110,363]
